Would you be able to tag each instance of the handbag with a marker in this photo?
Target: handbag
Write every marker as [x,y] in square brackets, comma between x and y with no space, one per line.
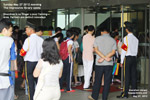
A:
[115,69]
[78,58]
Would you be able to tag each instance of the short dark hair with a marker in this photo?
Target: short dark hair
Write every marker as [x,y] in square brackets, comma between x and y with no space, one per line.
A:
[5,23]
[114,34]
[59,35]
[70,33]
[40,28]
[57,29]
[129,26]
[91,28]
[50,51]
[76,30]
[104,28]
[85,27]
[15,27]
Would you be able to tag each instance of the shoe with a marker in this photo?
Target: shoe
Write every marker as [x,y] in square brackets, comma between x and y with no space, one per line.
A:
[62,90]
[77,84]
[86,89]
[122,96]
[90,97]
[15,97]
[71,91]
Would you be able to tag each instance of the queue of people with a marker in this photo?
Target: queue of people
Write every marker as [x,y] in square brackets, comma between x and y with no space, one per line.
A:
[51,62]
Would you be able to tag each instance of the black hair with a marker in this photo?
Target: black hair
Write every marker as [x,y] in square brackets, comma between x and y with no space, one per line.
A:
[114,34]
[76,30]
[91,28]
[59,35]
[5,23]
[16,27]
[57,29]
[104,28]
[40,28]
[129,26]
[70,33]
[50,51]
[85,27]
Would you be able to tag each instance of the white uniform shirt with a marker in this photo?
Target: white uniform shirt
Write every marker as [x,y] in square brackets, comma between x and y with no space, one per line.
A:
[5,45]
[56,39]
[35,48]
[132,47]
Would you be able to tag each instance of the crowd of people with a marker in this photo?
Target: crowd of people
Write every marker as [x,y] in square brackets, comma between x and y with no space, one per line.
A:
[46,64]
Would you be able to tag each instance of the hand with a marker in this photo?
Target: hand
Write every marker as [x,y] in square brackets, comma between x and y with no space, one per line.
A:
[71,59]
[100,60]
[121,65]
[108,59]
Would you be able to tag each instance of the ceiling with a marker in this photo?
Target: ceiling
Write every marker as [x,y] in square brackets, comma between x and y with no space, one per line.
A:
[91,5]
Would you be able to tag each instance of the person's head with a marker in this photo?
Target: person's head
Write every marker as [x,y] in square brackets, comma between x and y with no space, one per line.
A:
[50,51]
[91,29]
[76,36]
[128,27]
[39,31]
[58,30]
[115,35]
[5,27]
[77,31]
[30,29]
[16,29]
[104,30]
[70,33]
[86,28]
[59,36]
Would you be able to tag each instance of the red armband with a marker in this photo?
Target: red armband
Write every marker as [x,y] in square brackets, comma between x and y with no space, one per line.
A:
[16,74]
[22,52]
[124,47]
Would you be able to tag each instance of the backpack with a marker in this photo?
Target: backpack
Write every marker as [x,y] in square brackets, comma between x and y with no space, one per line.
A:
[63,52]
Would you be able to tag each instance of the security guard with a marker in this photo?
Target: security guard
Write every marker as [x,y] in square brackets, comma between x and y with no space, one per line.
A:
[31,50]
[128,57]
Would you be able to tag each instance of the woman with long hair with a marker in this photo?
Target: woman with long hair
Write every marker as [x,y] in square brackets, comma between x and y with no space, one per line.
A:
[48,71]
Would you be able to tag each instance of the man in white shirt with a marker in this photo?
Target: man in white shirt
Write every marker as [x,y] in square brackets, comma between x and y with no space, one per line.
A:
[128,57]
[6,42]
[31,50]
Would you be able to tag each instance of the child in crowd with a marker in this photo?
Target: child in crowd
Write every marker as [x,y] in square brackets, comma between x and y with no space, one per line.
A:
[68,62]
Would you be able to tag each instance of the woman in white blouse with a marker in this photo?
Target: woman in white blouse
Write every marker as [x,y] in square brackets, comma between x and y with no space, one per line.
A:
[48,71]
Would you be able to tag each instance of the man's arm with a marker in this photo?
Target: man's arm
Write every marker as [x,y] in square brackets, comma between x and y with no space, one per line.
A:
[99,53]
[109,55]
[13,57]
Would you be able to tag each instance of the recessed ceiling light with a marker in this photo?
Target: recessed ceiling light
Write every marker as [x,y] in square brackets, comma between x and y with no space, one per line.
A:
[104,8]
[50,11]
[127,7]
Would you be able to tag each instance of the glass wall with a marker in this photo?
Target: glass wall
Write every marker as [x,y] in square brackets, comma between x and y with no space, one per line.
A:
[138,15]
[113,18]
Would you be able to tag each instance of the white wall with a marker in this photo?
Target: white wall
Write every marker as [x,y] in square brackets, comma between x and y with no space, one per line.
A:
[89,19]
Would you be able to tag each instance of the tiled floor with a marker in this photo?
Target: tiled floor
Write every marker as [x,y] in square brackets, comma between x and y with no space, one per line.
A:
[78,95]
[82,95]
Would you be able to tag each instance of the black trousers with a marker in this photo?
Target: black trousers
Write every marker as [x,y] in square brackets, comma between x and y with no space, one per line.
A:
[130,74]
[67,74]
[31,81]
[99,71]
